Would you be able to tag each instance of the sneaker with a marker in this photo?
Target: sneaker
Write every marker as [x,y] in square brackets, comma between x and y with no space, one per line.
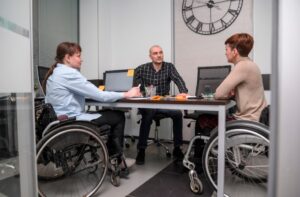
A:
[140,158]
[130,162]
[177,153]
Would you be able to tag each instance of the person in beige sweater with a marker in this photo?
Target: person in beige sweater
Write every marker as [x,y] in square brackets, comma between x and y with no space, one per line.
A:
[244,83]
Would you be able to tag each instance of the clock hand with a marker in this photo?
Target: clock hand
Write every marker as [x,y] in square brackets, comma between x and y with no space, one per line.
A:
[210,15]
[205,2]
[199,6]
[216,6]
[208,4]
[222,1]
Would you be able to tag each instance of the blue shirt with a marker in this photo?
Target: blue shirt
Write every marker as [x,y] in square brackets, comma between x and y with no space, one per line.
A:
[67,89]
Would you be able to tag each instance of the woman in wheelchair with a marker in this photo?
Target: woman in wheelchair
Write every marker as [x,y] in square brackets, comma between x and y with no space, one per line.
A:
[246,139]
[66,89]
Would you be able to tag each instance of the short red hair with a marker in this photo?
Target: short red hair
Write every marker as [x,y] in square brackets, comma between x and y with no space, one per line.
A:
[243,42]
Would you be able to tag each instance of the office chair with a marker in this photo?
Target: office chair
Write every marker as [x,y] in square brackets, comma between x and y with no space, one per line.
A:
[41,74]
[159,142]
[266,81]
[212,76]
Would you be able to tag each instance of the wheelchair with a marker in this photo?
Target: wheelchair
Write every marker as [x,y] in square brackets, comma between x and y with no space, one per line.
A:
[72,157]
[246,156]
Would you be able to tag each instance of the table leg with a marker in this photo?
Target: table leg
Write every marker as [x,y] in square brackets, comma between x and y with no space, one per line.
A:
[221,149]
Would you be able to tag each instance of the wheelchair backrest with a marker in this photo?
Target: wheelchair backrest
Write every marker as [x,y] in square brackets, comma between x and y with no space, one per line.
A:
[44,114]
[264,117]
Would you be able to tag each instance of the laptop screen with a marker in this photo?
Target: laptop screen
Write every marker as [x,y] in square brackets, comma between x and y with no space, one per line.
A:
[118,80]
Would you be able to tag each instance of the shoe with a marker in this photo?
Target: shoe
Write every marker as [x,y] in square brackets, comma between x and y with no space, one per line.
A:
[129,162]
[140,158]
[177,153]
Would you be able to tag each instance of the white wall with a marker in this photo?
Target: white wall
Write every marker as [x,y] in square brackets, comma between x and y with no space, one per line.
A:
[288,173]
[262,32]
[57,22]
[89,37]
[135,26]
[124,31]
[262,16]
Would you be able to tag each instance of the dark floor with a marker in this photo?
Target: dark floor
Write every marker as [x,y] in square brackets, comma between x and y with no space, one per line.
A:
[172,181]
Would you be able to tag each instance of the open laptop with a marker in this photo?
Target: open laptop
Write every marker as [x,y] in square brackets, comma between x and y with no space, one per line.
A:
[118,80]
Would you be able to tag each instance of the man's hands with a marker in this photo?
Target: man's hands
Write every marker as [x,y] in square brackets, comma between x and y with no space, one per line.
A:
[181,96]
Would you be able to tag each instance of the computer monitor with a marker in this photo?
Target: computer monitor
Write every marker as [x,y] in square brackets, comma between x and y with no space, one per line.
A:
[118,80]
[212,76]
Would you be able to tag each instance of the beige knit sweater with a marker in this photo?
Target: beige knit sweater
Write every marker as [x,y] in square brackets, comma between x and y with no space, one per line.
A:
[246,81]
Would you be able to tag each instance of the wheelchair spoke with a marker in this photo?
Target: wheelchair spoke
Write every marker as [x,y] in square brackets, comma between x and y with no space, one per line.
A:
[72,159]
[246,160]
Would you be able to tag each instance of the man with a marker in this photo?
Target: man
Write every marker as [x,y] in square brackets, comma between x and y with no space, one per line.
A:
[159,74]
[245,80]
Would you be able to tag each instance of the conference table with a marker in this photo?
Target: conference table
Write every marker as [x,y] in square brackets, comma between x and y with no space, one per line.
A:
[212,105]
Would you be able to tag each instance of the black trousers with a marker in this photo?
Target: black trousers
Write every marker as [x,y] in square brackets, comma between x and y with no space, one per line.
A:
[147,117]
[116,120]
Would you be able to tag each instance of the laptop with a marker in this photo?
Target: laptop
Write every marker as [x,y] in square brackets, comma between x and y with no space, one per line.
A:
[118,80]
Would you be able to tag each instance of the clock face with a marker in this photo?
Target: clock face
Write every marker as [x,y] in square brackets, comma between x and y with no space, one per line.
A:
[208,17]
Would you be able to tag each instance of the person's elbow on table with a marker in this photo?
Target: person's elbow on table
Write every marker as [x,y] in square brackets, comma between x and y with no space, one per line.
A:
[220,95]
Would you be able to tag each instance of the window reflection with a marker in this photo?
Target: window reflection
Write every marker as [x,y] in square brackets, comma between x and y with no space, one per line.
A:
[9,162]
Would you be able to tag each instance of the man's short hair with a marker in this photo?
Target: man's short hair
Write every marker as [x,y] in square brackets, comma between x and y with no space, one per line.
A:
[243,42]
[150,50]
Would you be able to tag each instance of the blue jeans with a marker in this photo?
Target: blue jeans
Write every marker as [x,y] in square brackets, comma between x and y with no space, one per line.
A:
[147,117]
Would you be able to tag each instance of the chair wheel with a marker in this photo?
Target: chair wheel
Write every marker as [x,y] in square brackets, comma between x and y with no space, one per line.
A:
[115,180]
[196,186]
[168,155]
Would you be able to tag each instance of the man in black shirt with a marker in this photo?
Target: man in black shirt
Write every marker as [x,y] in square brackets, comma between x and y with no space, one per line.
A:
[159,74]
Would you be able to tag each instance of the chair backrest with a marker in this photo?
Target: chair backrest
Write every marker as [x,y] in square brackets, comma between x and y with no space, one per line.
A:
[266,81]
[42,71]
[211,75]
[96,82]
[265,116]
[118,80]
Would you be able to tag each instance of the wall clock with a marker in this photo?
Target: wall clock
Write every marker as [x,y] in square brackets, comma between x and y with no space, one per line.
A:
[209,17]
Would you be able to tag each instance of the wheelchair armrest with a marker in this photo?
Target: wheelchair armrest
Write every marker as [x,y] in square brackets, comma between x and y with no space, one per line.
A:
[64,118]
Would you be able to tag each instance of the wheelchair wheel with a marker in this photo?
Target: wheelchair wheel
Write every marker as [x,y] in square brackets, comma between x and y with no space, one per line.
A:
[71,161]
[246,157]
